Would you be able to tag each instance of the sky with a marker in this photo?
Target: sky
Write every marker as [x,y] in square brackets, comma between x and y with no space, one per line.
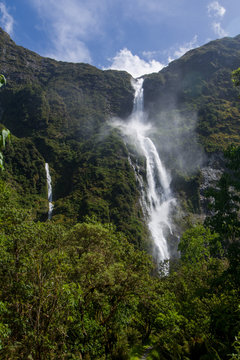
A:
[139,36]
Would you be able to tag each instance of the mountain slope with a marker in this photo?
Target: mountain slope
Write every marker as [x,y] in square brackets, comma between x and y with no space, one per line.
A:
[195,110]
[58,113]
[198,87]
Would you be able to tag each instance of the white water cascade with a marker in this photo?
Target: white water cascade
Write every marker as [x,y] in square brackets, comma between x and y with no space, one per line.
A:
[156,198]
[49,187]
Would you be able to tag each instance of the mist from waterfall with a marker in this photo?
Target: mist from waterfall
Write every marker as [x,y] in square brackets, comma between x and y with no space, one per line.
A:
[156,197]
[49,187]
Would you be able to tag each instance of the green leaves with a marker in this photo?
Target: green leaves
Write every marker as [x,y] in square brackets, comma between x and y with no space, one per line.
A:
[236,77]
[87,293]
[3,80]
[71,291]
[225,200]
[236,345]
[196,245]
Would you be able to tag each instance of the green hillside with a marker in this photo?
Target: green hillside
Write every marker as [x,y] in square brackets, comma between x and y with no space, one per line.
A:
[198,90]
[57,113]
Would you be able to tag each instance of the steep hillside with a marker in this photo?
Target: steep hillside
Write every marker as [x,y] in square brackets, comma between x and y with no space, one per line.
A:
[198,88]
[196,113]
[57,113]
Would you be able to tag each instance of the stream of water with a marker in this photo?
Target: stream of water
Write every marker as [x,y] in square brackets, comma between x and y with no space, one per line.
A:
[156,198]
[49,187]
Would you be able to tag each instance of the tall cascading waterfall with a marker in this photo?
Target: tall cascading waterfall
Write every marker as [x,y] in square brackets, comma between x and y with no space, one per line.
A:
[156,197]
[49,187]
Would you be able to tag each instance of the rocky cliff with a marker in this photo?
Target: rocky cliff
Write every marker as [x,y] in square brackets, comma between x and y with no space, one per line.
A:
[196,112]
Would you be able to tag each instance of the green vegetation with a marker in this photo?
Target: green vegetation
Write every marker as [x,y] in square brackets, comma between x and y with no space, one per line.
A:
[236,77]
[2,80]
[65,293]
[84,292]
[57,113]
[82,285]
[196,92]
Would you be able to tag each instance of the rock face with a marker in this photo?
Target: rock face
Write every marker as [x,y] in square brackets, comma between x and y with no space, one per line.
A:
[197,91]
[196,112]
[57,98]
[58,113]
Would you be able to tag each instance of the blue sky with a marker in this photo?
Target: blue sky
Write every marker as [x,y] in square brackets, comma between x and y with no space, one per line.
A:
[139,36]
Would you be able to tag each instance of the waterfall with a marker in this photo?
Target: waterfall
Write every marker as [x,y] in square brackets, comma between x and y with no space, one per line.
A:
[49,187]
[156,198]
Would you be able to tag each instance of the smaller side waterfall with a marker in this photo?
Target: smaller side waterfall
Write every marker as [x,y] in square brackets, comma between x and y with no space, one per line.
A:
[49,187]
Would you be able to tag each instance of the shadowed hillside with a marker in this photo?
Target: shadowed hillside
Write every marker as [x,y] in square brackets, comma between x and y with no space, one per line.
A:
[57,113]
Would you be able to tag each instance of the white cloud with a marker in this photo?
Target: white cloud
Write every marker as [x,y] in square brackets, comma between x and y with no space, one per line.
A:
[69,25]
[218,30]
[69,49]
[215,9]
[174,52]
[125,60]
[149,54]
[182,49]
[186,47]
[6,20]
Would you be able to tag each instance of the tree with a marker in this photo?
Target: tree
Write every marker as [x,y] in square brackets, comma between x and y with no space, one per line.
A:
[66,293]
[2,80]
[198,244]
[236,77]
[224,205]
[113,276]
